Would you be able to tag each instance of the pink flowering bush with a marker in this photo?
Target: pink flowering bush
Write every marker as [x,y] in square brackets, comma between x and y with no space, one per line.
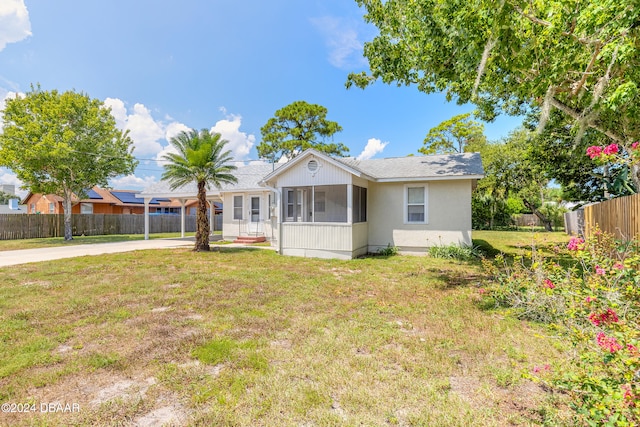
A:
[593,308]
[614,153]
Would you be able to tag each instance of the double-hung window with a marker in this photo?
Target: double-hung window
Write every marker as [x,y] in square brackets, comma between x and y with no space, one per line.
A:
[415,211]
[238,203]
[86,208]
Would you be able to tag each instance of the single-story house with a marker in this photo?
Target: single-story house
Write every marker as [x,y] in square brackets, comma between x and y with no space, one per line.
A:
[13,207]
[105,201]
[321,206]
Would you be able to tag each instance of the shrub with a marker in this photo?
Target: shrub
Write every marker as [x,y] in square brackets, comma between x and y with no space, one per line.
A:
[593,307]
[388,251]
[453,251]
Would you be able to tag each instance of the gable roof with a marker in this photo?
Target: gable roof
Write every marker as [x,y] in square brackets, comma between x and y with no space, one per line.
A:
[310,152]
[410,168]
[248,176]
[254,177]
[97,195]
[413,168]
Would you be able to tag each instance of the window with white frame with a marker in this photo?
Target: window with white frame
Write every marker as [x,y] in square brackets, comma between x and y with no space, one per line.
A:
[52,208]
[359,204]
[255,209]
[415,204]
[237,207]
[86,208]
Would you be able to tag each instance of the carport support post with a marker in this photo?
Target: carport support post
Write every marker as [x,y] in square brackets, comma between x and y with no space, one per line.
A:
[147,200]
[182,217]
[211,209]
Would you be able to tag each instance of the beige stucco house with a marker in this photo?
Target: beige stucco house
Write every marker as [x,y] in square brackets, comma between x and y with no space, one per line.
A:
[320,206]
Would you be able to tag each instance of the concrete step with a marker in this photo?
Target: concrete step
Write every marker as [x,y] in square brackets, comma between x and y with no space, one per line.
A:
[250,239]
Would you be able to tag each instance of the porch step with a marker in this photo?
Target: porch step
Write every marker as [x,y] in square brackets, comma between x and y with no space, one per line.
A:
[245,240]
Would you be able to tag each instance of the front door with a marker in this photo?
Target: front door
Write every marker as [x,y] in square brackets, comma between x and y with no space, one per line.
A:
[255,226]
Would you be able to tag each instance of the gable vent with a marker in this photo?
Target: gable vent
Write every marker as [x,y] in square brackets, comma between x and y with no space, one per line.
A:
[312,166]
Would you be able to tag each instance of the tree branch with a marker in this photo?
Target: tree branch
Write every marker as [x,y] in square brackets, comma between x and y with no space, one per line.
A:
[586,72]
[577,115]
[531,17]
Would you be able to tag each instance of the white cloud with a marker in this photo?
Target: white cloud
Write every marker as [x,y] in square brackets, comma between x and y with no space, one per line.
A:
[342,38]
[8,177]
[239,143]
[118,111]
[4,95]
[173,129]
[132,182]
[14,22]
[145,131]
[373,147]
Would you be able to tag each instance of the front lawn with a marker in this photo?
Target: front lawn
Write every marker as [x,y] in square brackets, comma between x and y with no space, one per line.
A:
[248,337]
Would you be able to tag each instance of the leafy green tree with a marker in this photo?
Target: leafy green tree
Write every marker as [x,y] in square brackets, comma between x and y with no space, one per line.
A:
[580,177]
[4,197]
[580,58]
[200,159]
[511,173]
[295,128]
[64,144]
[453,135]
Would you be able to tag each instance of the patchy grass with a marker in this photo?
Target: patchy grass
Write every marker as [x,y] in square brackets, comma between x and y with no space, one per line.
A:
[517,243]
[248,337]
[12,245]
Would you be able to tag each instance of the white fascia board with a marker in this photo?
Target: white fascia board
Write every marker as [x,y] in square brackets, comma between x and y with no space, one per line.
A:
[430,178]
[244,190]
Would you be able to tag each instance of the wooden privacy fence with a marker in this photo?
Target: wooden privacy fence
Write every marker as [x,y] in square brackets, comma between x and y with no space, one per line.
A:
[620,217]
[36,226]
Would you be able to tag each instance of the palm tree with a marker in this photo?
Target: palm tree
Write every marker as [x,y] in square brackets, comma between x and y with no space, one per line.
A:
[200,159]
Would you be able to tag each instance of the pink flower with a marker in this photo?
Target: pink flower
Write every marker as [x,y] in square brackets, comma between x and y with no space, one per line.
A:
[600,271]
[575,244]
[609,344]
[611,149]
[482,291]
[549,284]
[628,394]
[594,151]
[618,265]
[608,316]
[589,300]
[632,349]
[538,369]
[635,145]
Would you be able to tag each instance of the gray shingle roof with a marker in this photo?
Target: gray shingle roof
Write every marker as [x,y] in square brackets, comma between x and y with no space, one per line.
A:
[417,167]
[396,168]
[248,178]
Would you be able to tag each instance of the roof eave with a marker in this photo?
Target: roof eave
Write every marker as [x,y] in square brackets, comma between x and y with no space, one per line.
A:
[431,178]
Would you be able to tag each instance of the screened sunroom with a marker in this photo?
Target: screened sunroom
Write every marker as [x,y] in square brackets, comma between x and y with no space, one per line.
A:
[324,203]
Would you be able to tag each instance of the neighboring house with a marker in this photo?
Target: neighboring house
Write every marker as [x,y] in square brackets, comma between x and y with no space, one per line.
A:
[13,207]
[98,201]
[319,206]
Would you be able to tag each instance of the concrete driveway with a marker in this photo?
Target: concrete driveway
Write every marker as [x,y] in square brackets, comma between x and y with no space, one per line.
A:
[25,256]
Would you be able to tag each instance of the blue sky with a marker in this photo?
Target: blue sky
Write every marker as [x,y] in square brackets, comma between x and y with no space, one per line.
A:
[227,65]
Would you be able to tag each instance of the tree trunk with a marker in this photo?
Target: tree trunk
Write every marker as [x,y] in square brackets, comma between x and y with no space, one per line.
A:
[546,222]
[67,205]
[635,176]
[202,220]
